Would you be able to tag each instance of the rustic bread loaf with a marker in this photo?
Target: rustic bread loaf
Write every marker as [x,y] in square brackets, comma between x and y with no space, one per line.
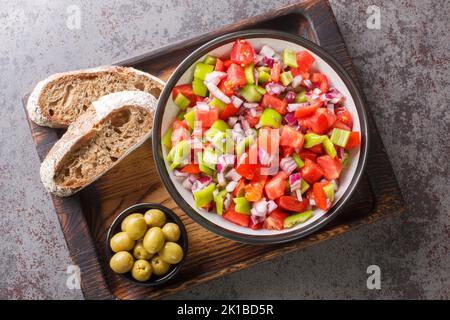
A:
[58,100]
[98,140]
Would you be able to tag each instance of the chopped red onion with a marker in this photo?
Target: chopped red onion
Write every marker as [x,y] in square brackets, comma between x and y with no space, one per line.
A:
[225,161]
[256,76]
[271,205]
[298,193]
[227,202]
[249,105]
[268,61]
[264,157]
[233,175]
[258,59]
[307,83]
[288,165]
[221,179]
[267,51]
[295,181]
[187,184]
[294,106]
[330,107]
[317,91]
[260,207]
[290,97]
[215,77]
[312,202]
[202,106]
[256,219]
[231,186]
[232,121]
[297,81]
[274,88]
[290,119]
[245,124]
[193,177]
[236,101]
[216,92]
[178,173]
[200,183]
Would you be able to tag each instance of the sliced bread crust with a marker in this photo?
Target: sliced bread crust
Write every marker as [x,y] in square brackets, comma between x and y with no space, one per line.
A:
[97,141]
[121,79]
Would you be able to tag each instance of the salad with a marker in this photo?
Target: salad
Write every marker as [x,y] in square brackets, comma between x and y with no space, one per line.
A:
[260,138]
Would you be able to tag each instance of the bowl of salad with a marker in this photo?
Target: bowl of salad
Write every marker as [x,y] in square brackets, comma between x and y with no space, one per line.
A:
[260,136]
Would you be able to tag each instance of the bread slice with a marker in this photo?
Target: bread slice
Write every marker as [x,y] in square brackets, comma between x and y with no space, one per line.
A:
[61,98]
[98,140]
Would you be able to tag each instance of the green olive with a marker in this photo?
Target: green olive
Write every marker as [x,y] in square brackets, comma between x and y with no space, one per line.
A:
[121,262]
[124,223]
[154,240]
[136,228]
[171,231]
[142,270]
[171,253]
[139,251]
[121,242]
[155,218]
[159,267]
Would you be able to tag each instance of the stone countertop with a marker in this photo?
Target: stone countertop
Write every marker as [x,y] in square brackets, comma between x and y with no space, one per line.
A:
[404,72]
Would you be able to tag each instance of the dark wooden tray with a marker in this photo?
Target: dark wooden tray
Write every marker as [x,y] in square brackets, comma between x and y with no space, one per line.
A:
[85,217]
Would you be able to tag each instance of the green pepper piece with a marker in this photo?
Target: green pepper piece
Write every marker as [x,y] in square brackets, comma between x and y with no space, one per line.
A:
[303,186]
[217,103]
[289,58]
[211,60]
[329,191]
[345,159]
[203,168]
[202,69]
[329,148]
[243,144]
[219,199]
[286,78]
[297,160]
[248,72]
[180,116]
[250,93]
[167,138]
[261,90]
[263,69]
[181,101]
[181,151]
[295,219]
[199,88]
[205,196]
[312,139]
[340,137]
[190,118]
[242,205]
[263,77]
[220,125]
[301,97]
[270,118]
[210,158]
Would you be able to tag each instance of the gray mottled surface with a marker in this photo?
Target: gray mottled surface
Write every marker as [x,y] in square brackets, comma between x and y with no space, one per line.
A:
[404,70]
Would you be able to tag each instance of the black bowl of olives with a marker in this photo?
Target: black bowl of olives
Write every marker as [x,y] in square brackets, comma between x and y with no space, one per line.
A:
[146,244]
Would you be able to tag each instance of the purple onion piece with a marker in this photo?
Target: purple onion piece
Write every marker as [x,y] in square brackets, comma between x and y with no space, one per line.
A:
[290,97]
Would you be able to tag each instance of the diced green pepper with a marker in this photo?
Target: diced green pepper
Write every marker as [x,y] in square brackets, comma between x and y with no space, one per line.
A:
[180,152]
[345,159]
[312,139]
[205,196]
[329,148]
[250,93]
[210,60]
[303,186]
[220,125]
[340,137]
[219,199]
[263,69]
[180,116]
[329,191]
[243,144]
[263,77]
[204,168]
[270,118]
[261,90]
[248,72]
[210,158]
[301,97]
[242,205]
[289,58]
[181,101]
[217,103]
[202,69]
[190,118]
[286,78]
[295,219]
[199,88]
[211,132]
[297,160]
[167,138]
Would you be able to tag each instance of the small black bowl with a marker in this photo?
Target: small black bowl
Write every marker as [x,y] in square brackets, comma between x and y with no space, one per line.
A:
[170,217]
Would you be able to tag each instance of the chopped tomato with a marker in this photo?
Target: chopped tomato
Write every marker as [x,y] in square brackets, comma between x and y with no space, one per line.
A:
[338,124]
[255,226]
[240,187]
[287,151]
[304,112]
[237,218]
[306,154]
[318,123]
[254,189]
[226,87]
[275,72]
[319,195]
[245,167]
[304,60]
[291,203]
[191,168]
[236,76]
[354,140]
[178,135]
[291,137]
[321,81]
[331,118]
[242,52]
[253,120]
[219,65]
[207,117]
[227,63]
[273,102]
[317,149]
[185,89]
[229,111]
[311,171]
[276,186]
[269,140]
[179,124]
[344,116]
[331,167]
[275,220]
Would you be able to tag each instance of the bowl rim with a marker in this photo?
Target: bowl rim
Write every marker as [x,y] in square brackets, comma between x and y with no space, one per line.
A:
[224,232]
[183,241]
